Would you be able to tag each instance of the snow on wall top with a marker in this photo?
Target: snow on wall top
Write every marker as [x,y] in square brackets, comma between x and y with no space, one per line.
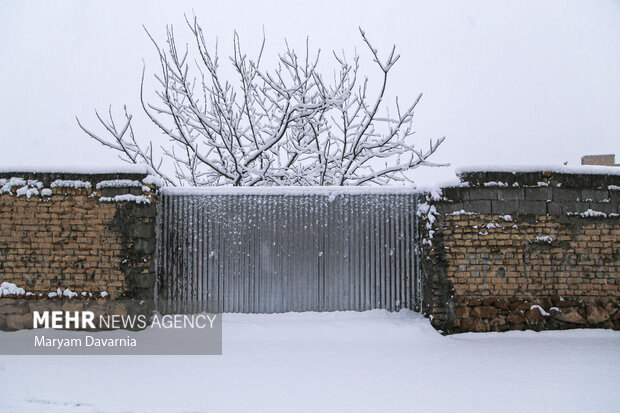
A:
[64,183]
[580,169]
[88,170]
[289,190]
[119,183]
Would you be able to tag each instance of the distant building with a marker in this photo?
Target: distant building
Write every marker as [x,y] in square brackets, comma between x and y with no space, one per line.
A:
[603,160]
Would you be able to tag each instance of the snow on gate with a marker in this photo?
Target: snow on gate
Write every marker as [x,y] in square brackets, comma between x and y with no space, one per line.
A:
[272,250]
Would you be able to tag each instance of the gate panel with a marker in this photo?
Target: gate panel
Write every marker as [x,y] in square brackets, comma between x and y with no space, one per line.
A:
[276,252]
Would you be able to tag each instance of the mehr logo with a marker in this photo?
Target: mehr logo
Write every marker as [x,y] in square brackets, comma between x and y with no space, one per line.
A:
[62,319]
[86,320]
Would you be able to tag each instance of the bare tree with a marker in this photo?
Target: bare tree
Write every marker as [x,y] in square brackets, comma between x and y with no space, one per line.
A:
[288,126]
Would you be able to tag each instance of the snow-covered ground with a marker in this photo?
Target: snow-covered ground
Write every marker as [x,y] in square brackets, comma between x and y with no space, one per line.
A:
[333,362]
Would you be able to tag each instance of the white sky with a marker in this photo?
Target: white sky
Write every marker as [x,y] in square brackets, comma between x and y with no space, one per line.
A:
[527,82]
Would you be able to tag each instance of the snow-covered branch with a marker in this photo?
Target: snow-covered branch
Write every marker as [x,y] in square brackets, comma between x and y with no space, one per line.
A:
[285,126]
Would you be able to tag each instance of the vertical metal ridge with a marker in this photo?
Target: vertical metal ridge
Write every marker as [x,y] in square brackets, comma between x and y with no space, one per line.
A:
[418,280]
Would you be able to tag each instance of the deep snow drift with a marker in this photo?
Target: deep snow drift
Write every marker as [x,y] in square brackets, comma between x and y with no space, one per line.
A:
[333,362]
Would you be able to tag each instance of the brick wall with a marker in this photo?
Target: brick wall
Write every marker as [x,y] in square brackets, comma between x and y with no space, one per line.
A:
[524,250]
[87,233]
[603,160]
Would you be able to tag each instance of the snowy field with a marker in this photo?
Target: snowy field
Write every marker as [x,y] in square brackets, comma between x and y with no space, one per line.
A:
[333,362]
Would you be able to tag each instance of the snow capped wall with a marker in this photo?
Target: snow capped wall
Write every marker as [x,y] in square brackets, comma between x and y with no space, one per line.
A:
[80,232]
[540,169]
[106,186]
[517,249]
[536,192]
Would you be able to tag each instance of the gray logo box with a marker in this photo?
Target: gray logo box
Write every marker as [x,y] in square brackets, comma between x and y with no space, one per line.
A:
[121,327]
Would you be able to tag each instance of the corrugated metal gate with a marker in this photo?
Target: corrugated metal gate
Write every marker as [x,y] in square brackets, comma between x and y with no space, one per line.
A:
[273,251]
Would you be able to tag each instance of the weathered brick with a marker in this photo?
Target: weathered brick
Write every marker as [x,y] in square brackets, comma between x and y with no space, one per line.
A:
[112,192]
[455,193]
[510,194]
[539,194]
[596,195]
[563,194]
[449,207]
[605,207]
[575,207]
[533,207]
[482,194]
[478,206]
[505,207]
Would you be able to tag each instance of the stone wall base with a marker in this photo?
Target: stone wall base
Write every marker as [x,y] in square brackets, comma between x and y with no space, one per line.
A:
[473,314]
